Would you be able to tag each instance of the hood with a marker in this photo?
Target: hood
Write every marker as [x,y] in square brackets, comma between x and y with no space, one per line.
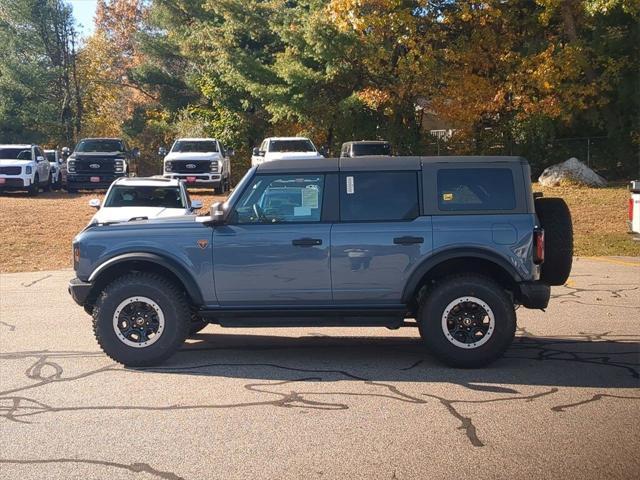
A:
[124,214]
[193,156]
[293,155]
[8,162]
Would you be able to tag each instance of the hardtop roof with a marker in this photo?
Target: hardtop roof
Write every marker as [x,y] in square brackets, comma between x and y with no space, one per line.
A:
[368,163]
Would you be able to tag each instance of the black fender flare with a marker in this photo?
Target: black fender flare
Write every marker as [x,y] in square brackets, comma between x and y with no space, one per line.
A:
[187,280]
[469,252]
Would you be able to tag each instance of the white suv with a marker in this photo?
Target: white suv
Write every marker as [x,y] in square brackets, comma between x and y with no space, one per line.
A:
[56,163]
[199,162]
[24,167]
[284,148]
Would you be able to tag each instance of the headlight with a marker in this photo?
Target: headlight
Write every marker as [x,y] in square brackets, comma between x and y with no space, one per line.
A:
[28,170]
[119,166]
[214,166]
[71,166]
[167,166]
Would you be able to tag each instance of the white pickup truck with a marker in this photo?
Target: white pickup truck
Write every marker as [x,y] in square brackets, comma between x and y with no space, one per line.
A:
[284,148]
[634,208]
[199,162]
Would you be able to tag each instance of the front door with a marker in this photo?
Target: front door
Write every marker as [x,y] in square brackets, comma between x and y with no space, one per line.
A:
[275,249]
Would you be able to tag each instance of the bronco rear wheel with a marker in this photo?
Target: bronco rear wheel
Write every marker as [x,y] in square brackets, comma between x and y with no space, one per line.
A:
[467,321]
[141,319]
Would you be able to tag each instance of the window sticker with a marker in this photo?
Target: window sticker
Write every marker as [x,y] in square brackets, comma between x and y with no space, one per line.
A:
[350,186]
[301,211]
[447,197]
[310,196]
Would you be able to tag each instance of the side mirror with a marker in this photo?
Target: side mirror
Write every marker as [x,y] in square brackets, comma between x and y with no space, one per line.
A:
[256,151]
[136,152]
[95,203]
[217,213]
[162,151]
[196,205]
[230,152]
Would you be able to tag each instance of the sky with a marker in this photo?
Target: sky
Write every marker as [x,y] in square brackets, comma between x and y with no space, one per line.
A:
[83,11]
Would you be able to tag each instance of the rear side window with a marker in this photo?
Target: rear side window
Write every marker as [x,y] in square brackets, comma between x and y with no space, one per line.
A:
[379,196]
[473,189]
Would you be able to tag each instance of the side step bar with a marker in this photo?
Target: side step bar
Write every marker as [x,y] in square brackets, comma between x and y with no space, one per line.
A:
[390,317]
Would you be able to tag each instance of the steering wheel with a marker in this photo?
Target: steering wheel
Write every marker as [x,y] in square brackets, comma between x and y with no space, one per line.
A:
[259,212]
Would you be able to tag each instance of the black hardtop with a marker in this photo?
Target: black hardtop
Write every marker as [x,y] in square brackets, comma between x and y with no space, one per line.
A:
[347,164]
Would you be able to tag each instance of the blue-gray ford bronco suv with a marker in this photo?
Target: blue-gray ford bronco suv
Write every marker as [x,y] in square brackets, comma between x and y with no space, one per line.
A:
[450,244]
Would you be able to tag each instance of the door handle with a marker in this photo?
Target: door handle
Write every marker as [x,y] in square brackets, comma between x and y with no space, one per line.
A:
[408,240]
[306,242]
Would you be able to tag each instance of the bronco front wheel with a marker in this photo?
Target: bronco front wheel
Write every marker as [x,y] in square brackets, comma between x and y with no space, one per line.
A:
[141,319]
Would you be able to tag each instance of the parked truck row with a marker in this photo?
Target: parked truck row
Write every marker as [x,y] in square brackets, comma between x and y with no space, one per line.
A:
[96,163]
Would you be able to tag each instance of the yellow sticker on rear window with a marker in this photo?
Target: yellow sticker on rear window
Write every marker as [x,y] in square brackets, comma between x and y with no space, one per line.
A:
[447,197]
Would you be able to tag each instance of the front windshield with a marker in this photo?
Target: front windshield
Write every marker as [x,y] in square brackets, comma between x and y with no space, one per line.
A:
[15,153]
[100,145]
[195,146]
[301,145]
[363,149]
[144,196]
[51,156]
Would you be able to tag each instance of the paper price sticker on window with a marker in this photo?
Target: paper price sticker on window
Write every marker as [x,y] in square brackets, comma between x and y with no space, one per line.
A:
[310,196]
[350,186]
[447,197]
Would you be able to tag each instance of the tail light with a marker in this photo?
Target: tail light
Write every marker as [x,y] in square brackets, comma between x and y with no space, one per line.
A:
[538,246]
[631,209]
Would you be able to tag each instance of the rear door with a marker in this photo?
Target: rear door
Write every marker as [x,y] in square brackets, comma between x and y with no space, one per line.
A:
[380,238]
[275,248]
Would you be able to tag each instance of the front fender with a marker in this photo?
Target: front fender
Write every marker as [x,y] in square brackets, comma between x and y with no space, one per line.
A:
[180,271]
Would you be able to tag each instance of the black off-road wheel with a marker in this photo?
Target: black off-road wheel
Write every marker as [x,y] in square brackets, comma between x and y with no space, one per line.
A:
[467,321]
[555,218]
[141,319]
[34,188]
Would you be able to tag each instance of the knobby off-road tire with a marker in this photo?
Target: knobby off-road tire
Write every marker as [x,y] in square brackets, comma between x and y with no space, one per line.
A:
[467,321]
[166,305]
[555,218]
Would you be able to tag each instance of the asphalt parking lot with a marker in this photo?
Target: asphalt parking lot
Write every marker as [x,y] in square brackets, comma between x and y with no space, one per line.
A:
[325,403]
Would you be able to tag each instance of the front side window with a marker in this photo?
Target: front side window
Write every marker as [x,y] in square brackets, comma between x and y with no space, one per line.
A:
[51,156]
[301,145]
[280,199]
[204,146]
[472,189]
[147,196]
[379,196]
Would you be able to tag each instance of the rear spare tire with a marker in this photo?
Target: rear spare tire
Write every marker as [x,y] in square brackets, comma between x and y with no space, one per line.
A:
[555,219]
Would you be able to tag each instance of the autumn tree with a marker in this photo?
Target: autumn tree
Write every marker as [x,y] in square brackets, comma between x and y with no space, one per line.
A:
[40,96]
